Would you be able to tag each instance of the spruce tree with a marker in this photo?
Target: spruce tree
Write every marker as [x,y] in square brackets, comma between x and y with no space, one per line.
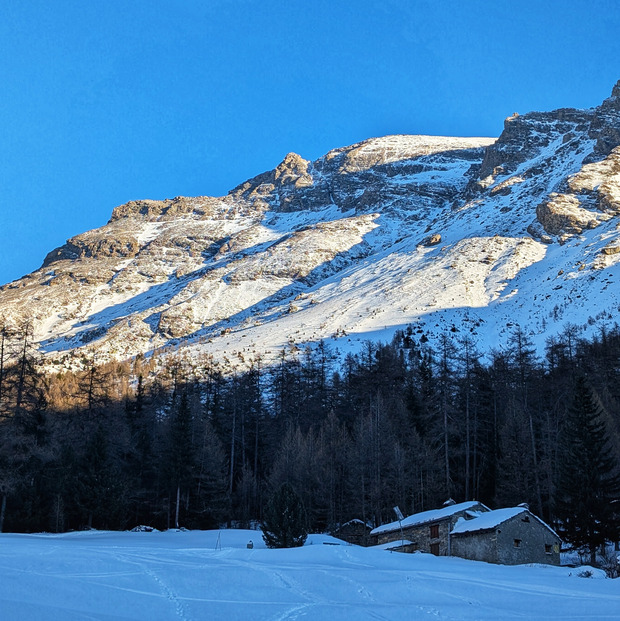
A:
[181,457]
[100,489]
[285,523]
[588,475]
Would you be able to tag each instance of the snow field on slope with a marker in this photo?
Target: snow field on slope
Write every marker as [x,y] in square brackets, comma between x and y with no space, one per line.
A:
[403,284]
[299,277]
[492,276]
[193,576]
[398,147]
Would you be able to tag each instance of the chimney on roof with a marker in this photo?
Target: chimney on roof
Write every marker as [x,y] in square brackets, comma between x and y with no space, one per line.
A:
[449,502]
[524,505]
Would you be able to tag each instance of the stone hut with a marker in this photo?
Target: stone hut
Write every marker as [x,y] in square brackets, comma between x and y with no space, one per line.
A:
[429,531]
[355,532]
[510,536]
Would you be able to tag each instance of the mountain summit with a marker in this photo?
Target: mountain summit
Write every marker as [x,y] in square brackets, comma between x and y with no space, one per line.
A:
[468,235]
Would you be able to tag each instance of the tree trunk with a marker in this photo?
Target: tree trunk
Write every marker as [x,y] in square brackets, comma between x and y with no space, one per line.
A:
[2,512]
[176,513]
[232,452]
[2,339]
[446,447]
[535,462]
[467,445]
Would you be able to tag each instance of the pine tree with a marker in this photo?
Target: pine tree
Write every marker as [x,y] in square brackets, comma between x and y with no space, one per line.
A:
[588,475]
[285,523]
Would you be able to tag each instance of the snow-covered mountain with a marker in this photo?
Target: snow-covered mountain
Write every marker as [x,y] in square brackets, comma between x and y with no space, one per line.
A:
[468,235]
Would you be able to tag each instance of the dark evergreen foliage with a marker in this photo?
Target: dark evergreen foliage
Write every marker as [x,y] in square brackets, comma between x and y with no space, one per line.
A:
[188,442]
[285,524]
[99,489]
[588,481]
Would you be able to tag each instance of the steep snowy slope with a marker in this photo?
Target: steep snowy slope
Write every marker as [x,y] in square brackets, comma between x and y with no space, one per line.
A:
[470,235]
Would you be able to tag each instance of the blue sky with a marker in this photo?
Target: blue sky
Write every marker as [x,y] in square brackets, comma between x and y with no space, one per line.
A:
[106,102]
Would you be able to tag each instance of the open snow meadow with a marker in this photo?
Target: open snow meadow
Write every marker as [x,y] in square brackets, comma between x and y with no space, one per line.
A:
[213,575]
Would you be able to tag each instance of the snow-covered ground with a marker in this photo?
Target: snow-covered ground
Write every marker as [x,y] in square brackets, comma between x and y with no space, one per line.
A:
[212,575]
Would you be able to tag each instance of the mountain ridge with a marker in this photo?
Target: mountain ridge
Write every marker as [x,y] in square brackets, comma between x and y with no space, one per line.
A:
[465,235]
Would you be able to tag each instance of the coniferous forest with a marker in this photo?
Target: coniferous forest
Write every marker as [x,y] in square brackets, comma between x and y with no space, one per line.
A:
[171,442]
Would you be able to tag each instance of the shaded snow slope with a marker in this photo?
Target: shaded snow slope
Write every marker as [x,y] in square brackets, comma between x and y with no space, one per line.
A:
[190,575]
[466,235]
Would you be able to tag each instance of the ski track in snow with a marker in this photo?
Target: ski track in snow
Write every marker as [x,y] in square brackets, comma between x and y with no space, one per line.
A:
[287,583]
[165,589]
[181,575]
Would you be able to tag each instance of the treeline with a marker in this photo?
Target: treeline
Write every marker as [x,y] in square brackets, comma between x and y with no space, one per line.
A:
[178,442]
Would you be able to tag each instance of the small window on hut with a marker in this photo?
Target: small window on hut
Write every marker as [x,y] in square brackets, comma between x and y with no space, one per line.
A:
[525,519]
[434,531]
[517,543]
[548,548]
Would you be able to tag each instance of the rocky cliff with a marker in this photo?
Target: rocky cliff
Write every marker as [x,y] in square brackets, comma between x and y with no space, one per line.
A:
[470,235]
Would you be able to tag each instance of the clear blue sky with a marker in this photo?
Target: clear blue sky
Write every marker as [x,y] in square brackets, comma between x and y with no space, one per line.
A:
[108,101]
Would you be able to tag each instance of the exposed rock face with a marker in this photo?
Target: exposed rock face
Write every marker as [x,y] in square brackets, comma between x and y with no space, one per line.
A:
[81,247]
[605,125]
[454,232]
[201,206]
[293,171]
[594,195]
[360,177]
[600,181]
[562,214]
[432,240]
[536,146]
[525,136]
[615,249]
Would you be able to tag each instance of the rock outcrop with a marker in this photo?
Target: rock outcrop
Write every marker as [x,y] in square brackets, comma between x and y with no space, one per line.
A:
[455,234]
[562,213]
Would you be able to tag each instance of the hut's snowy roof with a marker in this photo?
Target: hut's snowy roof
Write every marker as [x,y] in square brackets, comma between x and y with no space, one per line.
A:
[488,520]
[355,522]
[393,545]
[492,519]
[428,516]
